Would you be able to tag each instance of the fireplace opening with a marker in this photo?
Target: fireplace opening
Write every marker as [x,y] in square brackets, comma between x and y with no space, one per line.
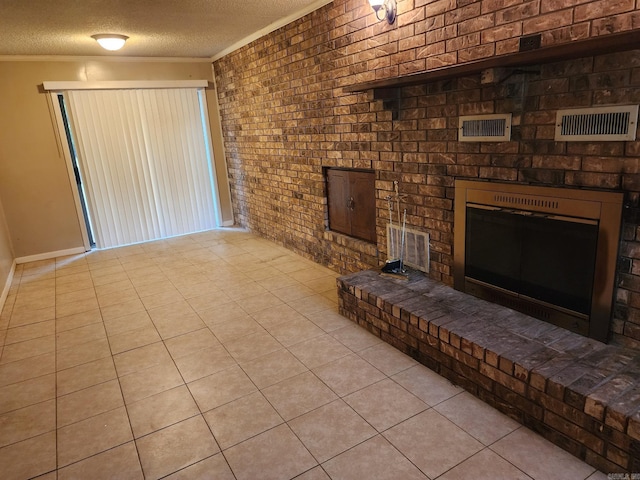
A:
[547,252]
[518,251]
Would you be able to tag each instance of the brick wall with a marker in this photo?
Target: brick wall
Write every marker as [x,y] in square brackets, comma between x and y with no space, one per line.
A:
[285,116]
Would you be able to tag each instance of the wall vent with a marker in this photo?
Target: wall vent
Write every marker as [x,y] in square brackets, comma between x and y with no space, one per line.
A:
[416,247]
[526,201]
[610,123]
[485,128]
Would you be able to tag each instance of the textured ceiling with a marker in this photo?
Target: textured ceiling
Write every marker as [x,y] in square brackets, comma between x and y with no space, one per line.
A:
[157,28]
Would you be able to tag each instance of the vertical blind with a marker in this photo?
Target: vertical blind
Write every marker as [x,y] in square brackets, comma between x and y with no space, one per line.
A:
[146,163]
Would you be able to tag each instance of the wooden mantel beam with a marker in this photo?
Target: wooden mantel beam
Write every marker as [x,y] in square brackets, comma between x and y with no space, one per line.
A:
[614,42]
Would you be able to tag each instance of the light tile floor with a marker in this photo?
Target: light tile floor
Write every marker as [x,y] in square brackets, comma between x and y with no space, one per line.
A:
[222,356]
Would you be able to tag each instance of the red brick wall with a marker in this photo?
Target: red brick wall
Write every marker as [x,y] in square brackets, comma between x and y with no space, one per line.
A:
[285,116]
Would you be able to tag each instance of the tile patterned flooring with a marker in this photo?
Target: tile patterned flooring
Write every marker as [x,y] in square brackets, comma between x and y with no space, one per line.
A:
[220,355]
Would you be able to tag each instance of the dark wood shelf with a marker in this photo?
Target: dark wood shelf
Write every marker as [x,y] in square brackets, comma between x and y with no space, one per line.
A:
[615,42]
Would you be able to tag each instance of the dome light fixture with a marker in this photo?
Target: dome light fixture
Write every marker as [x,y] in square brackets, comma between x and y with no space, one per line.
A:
[384,9]
[110,41]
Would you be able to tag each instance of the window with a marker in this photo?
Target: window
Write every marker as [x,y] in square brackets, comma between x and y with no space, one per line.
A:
[145,161]
[352,203]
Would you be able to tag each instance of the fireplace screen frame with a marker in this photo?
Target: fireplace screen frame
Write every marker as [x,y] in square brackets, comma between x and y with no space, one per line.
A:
[604,208]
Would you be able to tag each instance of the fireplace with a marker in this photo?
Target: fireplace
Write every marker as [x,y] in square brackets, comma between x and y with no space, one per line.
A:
[547,252]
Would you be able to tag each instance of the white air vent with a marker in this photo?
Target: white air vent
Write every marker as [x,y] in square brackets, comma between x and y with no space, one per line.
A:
[610,123]
[485,128]
[416,247]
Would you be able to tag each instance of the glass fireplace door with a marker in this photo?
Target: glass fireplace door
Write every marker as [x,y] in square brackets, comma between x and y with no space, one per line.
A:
[545,258]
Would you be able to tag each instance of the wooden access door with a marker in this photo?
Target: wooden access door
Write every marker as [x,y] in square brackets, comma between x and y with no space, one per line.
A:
[352,204]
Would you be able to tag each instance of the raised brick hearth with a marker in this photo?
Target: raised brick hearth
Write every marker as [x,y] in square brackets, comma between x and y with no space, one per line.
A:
[581,394]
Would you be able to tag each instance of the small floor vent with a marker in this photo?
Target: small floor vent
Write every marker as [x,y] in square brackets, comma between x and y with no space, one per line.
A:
[610,123]
[416,247]
[485,128]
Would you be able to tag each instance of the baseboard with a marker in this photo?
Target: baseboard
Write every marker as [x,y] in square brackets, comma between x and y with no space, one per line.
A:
[49,255]
[7,286]
[228,223]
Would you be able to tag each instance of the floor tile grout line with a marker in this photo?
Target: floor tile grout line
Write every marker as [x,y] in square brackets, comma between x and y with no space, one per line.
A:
[124,403]
[432,407]
[186,385]
[342,399]
[524,428]
[93,455]
[381,433]
[485,448]
[488,447]
[259,390]
[55,392]
[287,348]
[101,413]
[377,434]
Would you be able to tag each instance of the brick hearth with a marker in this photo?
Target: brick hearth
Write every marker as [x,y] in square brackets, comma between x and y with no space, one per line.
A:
[581,394]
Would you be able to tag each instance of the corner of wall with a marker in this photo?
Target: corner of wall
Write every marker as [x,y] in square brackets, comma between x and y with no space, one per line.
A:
[7,259]
[7,286]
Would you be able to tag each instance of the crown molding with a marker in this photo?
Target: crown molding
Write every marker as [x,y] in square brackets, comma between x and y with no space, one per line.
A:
[271,28]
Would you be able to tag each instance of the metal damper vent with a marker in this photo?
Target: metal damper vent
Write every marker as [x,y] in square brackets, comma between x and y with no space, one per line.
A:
[485,128]
[609,123]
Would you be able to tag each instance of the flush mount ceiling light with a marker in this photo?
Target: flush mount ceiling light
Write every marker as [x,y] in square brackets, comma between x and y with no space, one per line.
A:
[384,9]
[110,41]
